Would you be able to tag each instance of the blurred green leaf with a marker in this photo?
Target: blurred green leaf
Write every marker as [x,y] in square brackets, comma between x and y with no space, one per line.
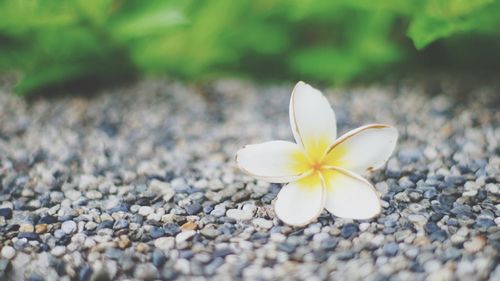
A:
[59,42]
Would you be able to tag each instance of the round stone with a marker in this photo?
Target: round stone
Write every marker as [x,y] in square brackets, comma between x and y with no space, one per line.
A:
[69,227]
[8,252]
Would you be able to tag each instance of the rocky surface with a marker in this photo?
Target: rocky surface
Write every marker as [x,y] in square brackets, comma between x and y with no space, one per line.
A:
[140,183]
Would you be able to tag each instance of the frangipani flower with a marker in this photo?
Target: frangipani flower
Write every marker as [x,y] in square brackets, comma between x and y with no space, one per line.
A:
[321,170]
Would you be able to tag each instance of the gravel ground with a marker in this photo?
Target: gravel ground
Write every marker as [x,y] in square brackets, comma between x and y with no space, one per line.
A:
[140,184]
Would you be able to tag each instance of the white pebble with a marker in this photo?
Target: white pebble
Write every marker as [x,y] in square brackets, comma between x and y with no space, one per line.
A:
[68,227]
[145,211]
[8,252]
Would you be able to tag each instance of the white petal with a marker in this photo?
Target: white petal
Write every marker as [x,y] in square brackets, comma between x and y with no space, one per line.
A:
[349,195]
[274,161]
[364,148]
[300,202]
[312,119]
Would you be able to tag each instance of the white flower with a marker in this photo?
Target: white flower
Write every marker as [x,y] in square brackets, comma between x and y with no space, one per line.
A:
[321,170]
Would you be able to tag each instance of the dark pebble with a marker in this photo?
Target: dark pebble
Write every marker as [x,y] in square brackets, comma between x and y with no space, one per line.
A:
[435,217]
[193,209]
[105,224]
[47,220]
[431,227]
[349,230]
[156,232]
[28,235]
[6,213]
[158,258]
[171,229]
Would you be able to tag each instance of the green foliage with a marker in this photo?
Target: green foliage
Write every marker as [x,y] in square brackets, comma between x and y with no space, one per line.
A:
[58,43]
[436,19]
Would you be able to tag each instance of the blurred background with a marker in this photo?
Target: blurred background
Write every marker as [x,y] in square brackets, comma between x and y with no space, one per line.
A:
[52,45]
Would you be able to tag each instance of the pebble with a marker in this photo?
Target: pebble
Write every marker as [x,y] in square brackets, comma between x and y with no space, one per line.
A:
[146,272]
[6,213]
[58,251]
[349,230]
[8,252]
[475,245]
[69,227]
[122,186]
[262,223]
[193,209]
[145,211]
[184,236]
[164,243]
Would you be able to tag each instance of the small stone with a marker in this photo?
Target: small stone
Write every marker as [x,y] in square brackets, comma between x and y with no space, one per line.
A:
[124,242]
[210,232]
[47,220]
[239,215]
[329,244]
[85,273]
[240,196]
[6,213]
[171,229]
[145,211]
[93,195]
[262,223]
[158,258]
[120,224]
[142,248]
[8,252]
[58,251]
[26,228]
[164,243]
[349,230]
[189,226]
[475,245]
[184,236]
[40,228]
[69,227]
[193,209]
[391,249]
[156,232]
[146,272]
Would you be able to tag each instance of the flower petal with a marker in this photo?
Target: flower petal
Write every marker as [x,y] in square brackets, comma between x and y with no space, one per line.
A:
[364,148]
[274,161]
[300,202]
[312,119]
[349,195]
